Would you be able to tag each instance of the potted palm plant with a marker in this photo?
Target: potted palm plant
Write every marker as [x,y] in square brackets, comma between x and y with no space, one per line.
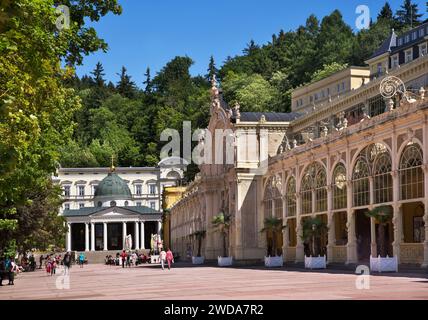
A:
[272,227]
[382,215]
[313,231]
[221,223]
[199,235]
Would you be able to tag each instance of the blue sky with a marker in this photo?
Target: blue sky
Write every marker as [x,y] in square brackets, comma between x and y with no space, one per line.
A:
[150,33]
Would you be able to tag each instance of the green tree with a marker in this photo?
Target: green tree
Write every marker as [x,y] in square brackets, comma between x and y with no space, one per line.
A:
[382,216]
[126,87]
[313,230]
[36,109]
[272,227]
[407,15]
[221,223]
[212,69]
[386,13]
[148,81]
[98,75]
[328,70]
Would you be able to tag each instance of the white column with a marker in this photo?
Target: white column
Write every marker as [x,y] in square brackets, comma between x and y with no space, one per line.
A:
[143,246]
[137,236]
[105,236]
[86,236]
[351,246]
[92,236]
[159,226]
[68,238]
[123,233]
[300,249]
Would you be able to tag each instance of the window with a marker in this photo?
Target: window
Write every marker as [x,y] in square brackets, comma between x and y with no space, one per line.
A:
[81,191]
[112,203]
[290,196]
[126,203]
[338,88]
[152,188]
[66,191]
[421,32]
[400,41]
[328,91]
[94,189]
[382,178]
[408,55]
[414,35]
[379,68]
[394,61]
[153,205]
[316,96]
[66,206]
[138,189]
[343,86]
[411,172]
[99,204]
[138,204]
[407,38]
[423,49]
[81,205]
[314,185]
[339,187]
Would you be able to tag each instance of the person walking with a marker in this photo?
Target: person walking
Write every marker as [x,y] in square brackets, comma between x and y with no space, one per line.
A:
[53,266]
[10,269]
[2,270]
[162,257]
[67,263]
[123,255]
[41,261]
[169,258]
[81,259]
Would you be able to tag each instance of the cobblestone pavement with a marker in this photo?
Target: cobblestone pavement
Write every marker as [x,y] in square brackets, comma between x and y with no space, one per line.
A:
[211,283]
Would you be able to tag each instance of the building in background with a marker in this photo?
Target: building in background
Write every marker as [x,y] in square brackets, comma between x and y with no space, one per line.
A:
[104,205]
[360,149]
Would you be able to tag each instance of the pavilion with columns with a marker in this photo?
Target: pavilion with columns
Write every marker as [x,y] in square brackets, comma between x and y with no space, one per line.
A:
[105,226]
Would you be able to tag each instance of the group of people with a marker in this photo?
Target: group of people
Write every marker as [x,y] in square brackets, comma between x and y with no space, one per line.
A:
[8,267]
[53,262]
[128,259]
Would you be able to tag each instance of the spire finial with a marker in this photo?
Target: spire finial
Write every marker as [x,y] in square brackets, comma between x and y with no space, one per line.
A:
[112,168]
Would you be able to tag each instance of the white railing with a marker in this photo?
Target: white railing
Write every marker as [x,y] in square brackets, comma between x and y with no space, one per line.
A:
[380,264]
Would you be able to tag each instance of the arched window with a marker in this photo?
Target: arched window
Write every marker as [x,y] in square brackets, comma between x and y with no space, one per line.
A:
[373,161]
[112,203]
[126,203]
[314,181]
[411,173]
[290,197]
[267,199]
[272,199]
[339,187]
[382,178]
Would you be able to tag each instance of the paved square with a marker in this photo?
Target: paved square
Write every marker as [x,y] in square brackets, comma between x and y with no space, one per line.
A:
[211,283]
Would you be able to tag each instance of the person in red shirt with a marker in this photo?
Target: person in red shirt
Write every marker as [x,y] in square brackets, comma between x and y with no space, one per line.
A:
[123,255]
[169,258]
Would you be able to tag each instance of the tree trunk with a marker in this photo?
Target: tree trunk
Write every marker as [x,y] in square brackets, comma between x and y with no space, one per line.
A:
[199,246]
[224,245]
[382,239]
[273,253]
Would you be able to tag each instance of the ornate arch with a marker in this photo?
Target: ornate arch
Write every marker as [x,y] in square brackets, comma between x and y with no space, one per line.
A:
[411,172]
[272,198]
[373,161]
[339,186]
[290,196]
[313,188]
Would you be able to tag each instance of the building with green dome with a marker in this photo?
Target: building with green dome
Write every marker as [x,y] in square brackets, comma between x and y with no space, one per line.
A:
[104,206]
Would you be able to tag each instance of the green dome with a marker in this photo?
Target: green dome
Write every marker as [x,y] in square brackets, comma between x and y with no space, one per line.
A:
[112,187]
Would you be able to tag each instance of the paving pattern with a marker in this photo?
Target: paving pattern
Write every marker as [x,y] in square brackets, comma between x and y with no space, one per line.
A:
[186,282]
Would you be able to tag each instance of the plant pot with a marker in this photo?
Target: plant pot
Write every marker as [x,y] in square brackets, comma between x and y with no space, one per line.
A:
[388,264]
[272,262]
[198,260]
[155,259]
[224,261]
[315,262]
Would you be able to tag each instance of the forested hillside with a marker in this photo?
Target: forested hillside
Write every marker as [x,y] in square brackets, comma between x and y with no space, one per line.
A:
[125,119]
